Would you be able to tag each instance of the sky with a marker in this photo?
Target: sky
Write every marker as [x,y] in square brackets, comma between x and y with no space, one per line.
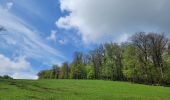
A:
[40,33]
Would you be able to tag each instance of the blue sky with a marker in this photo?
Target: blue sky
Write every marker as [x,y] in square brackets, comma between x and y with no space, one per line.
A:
[41,33]
[33,42]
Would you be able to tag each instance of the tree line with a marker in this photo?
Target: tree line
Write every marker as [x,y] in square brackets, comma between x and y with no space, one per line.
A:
[6,77]
[145,58]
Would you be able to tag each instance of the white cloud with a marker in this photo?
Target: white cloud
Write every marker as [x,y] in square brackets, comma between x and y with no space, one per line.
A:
[52,36]
[22,40]
[63,41]
[18,68]
[98,20]
[9,5]
[25,75]
[124,37]
[6,64]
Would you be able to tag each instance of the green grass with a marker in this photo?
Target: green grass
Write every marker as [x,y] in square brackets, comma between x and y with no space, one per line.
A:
[79,90]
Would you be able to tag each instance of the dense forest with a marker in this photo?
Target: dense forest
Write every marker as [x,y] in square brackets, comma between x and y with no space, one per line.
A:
[145,58]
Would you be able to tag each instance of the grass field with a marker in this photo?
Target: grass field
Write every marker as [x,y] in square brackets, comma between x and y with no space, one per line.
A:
[79,90]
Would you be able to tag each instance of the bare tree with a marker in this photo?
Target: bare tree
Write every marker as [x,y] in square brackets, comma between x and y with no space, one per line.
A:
[97,57]
[157,46]
[140,41]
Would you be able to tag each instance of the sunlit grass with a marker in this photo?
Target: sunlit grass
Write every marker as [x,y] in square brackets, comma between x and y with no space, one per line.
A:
[79,90]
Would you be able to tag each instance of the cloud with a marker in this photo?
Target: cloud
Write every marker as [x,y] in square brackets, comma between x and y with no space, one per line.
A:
[63,41]
[9,5]
[52,36]
[6,64]
[24,75]
[23,40]
[18,68]
[99,20]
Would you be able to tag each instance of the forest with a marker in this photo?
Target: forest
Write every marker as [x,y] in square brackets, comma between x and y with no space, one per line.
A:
[144,59]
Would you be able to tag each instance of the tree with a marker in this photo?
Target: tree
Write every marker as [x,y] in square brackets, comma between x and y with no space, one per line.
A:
[6,77]
[78,70]
[166,58]
[113,61]
[151,48]
[140,41]
[64,71]
[144,59]
[118,51]
[157,44]
[45,74]
[55,73]
[97,59]
[90,71]
[131,67]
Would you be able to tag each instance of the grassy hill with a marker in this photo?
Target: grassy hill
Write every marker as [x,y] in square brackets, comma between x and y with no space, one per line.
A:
[79,90]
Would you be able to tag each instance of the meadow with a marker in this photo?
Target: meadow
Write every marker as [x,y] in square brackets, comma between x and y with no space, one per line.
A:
[79,90]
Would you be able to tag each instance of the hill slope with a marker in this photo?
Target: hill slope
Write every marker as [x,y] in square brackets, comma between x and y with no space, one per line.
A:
[79,90]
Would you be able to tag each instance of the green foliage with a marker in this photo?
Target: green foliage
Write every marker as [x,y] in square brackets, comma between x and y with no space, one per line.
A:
[90,72]
[55,72]
[5,77]
[45,74]
[130,63]
[167,76]
[112,68]
[78,71]
[145,59]
[64,71]
[167,69]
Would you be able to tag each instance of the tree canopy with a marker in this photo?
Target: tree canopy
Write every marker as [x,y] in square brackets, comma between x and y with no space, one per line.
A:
[143,59]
